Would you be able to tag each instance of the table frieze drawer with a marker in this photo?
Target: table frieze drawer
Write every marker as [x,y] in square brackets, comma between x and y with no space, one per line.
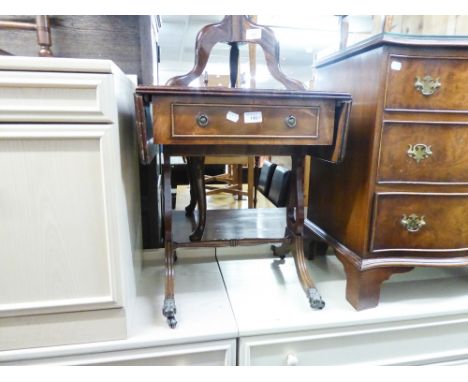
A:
[245,121]
[427,83]
[56,97]
[426,222]
[423,153]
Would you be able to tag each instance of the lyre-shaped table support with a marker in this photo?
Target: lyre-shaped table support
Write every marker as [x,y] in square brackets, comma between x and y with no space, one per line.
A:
[235,29]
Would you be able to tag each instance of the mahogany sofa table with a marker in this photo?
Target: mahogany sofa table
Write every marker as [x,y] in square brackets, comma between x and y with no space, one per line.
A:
[194,122]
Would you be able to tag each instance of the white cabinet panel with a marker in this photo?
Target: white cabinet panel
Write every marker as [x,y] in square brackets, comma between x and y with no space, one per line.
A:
[53,226]
[216,353]
[56,97]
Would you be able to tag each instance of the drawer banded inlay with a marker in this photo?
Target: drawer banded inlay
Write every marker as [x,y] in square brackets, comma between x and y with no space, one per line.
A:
[254,121]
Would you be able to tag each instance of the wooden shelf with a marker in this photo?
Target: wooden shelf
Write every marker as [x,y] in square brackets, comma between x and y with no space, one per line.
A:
[232,227]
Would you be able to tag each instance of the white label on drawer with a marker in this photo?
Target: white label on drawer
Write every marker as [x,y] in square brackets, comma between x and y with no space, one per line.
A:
[252,117]
[395,65]
[253,34]
[231,116]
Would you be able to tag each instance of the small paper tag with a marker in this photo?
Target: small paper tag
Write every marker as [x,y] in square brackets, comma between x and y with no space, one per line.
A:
[395,65]
[231,116]
[253,117]
[253,34]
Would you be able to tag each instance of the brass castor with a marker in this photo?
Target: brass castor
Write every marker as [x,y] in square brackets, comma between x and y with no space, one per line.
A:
[315,299]
[169,311]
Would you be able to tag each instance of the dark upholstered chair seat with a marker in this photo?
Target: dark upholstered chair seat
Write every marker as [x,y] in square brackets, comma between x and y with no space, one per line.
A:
[264,179]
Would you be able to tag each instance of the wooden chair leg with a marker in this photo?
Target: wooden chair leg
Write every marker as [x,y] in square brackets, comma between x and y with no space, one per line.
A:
[193,188]
[238,180]
[198,174]
[256,175]
[314,248]
[250,181]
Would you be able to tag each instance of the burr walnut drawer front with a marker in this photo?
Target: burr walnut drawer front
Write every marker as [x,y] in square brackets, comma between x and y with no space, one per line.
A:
[433,222]
[283,123]
[427,83]
[423,153]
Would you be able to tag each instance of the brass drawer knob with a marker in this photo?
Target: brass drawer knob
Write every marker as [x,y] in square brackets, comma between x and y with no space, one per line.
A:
[291,121]
[427,85]
[419,151]
[202,120]
[413,223]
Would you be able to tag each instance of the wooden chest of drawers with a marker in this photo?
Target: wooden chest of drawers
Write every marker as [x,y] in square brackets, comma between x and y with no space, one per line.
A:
[400,198]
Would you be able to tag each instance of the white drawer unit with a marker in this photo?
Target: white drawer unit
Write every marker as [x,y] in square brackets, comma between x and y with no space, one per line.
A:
[277,328]
[70,226]
[416,342]
[215,353]
[56,97]
[206,334]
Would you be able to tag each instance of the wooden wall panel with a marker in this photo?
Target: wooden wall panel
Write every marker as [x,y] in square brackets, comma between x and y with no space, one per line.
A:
[115,38]
[430,24]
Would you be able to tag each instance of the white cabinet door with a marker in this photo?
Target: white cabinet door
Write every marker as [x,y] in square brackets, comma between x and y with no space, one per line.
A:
[57,220]
[213,353]
[56,97]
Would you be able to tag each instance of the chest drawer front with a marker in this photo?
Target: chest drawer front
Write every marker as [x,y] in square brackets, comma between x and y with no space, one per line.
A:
[427,83]
[420,222]
[423,153]
[247,121]
[56,97]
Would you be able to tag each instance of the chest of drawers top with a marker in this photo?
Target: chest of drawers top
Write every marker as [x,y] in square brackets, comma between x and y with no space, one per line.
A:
[428,74]
[431,43]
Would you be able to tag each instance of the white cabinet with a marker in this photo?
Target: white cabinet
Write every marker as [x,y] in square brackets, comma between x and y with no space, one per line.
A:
[250,312]
[277,327]
[28,96]
[215,353]
[206,334]
[417,342]
[70,227]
